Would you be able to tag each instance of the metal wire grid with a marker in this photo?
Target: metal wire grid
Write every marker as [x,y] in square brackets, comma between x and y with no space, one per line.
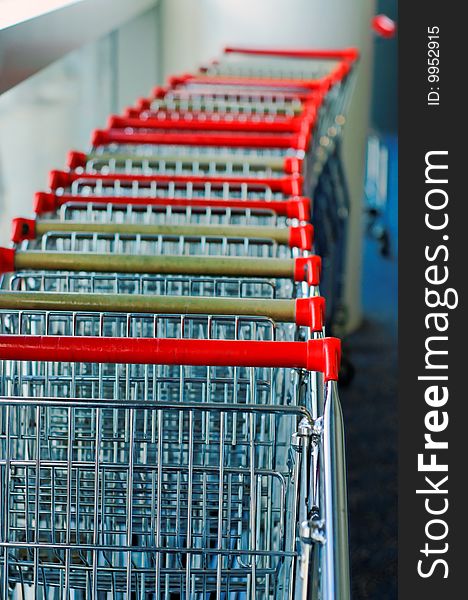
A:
[181,165]
[154,189]
[232,103]
[138,244]
[207,507]
[154,150]
[161,215]
[196,86]
[110,324]
[271,67]
[167,285]
[50,456]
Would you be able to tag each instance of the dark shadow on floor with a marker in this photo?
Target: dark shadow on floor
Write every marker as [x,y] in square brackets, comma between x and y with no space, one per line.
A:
[370,413]
[369,407]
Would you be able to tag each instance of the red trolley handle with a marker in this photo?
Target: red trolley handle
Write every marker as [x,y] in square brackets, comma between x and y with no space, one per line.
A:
[325,53]
[293,208]
[290,85]
[209,122]
[321,355]
[75,160]
[350,54]
[298,140]
[291,185]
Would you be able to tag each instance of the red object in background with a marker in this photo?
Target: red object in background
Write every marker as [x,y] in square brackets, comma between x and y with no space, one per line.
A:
[384,26]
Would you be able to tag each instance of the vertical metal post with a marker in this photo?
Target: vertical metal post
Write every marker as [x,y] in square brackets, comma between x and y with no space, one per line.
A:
[336,581]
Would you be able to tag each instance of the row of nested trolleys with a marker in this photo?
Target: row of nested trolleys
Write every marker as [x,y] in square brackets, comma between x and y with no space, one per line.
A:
[169,419]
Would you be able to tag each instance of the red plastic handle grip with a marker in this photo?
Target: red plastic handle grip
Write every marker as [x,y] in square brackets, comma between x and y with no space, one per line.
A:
[293,208]
[76,159]
[351,54]
[291,185]
[301,237]
[314,355]
[7,260]
[310,312]
[257,82]
[22,229]
[207,122]
[308,268]
[299,141]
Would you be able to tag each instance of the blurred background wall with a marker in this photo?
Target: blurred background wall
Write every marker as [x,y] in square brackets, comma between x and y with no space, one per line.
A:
[54,111]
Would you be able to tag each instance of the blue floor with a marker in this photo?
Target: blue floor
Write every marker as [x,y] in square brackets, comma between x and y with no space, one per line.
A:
[370,412]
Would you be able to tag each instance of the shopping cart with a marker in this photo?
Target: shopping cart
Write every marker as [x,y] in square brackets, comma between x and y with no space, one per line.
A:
[250,138]
[326,176]
[124,476]
[176,255]
[325,180]
[268,144]
[136,201]
[331,70]
[282,215]
[201,129]
[184,186]
[183,160]
[216,101]
[331,212]
[276,172]
[190,121]
[183,223]
[189,443]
